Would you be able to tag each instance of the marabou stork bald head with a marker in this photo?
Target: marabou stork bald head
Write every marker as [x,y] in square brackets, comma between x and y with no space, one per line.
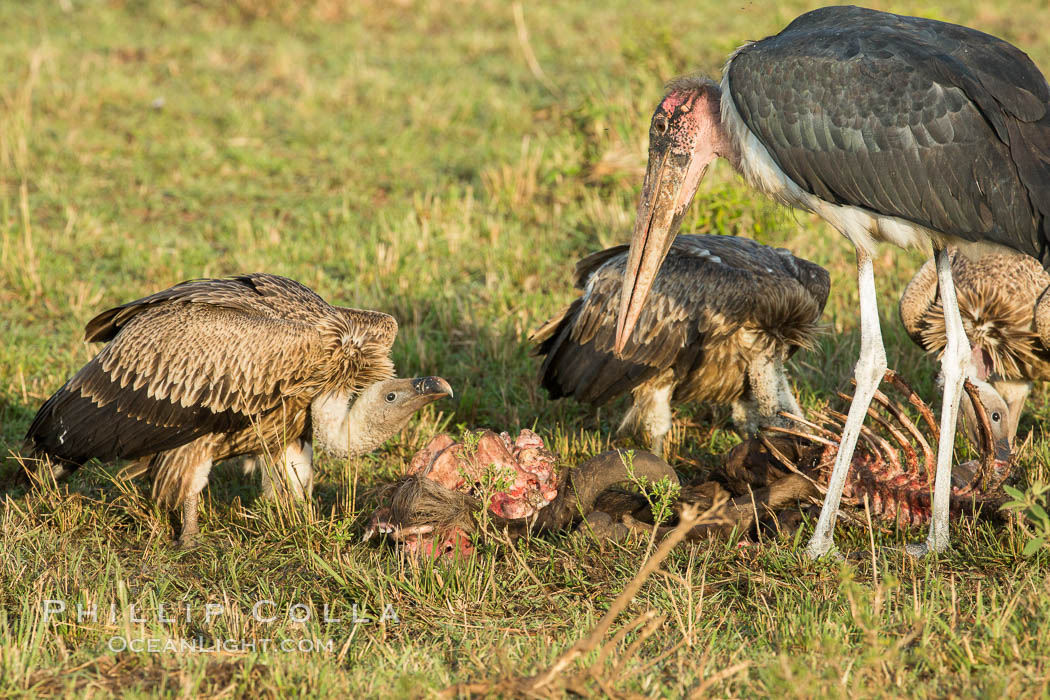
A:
[685,135]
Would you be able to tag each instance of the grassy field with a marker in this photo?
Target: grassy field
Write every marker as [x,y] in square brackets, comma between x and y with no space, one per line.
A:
[447,163]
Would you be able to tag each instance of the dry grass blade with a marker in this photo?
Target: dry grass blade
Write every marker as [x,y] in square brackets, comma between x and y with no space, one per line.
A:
[701,690]
[687,520]
[526,49]
[546,682]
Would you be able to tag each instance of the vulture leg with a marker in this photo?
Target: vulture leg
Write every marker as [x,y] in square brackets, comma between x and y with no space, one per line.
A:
[770,390]
[745,416]
[651,412]
[658,444]
[954,361]
[293,472]
[660,418]
[189,521]
[788,403]
[298,460]
[868,373]
[190,502]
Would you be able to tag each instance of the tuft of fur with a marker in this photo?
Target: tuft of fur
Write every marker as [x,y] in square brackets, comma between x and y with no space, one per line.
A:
[416,501]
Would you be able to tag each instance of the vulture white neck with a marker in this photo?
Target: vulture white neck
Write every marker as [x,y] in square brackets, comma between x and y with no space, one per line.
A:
[342,430]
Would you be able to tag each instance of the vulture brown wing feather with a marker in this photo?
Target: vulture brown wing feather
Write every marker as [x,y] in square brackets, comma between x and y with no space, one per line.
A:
[258,293]
[587,266]
[207,356]
[172,374]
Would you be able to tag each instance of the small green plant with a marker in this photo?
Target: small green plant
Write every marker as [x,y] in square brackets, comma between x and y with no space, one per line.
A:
[660,495]
[1031,506]
[492,479]
[470,439]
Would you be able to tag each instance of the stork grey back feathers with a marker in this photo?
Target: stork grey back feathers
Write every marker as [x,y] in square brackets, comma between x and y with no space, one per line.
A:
[208,356]
[709,290]
[1004,307]
[934,123]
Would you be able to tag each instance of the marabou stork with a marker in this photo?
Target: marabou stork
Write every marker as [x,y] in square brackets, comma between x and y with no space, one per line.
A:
[1006,313]
[891,128]
[216,368]
[723,316]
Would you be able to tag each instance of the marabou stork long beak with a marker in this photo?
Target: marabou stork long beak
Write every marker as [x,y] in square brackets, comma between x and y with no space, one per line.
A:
[683,139]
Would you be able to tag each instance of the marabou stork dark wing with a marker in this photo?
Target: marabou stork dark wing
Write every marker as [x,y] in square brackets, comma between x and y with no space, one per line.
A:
[708,288]
[934,123]
[202,357]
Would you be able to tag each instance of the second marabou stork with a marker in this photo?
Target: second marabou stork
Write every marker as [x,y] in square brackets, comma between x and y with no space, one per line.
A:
[891,128]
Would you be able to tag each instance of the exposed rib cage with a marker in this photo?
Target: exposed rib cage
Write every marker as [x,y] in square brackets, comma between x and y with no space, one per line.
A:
[894,464]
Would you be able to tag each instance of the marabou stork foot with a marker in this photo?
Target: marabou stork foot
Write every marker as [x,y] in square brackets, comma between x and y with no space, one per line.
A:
[917,549]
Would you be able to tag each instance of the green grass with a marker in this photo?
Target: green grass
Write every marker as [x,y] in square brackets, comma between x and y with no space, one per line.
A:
[403,156]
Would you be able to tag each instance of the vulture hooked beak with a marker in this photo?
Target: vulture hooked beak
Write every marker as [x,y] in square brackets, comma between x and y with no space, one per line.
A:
[683,139]
[984,413]
[432,386]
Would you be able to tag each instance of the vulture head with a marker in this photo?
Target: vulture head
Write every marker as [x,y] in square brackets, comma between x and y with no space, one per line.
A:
[342,428]
[392,402]
[1001,428]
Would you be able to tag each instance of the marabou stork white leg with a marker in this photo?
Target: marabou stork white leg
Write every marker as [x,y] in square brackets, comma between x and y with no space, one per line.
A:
[954,362]
[870,369]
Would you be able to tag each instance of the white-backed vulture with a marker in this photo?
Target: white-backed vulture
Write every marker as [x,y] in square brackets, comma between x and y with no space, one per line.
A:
[723,316]
[215,368]
[1006,314]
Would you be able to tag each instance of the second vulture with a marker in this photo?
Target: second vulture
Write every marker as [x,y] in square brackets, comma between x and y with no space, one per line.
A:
[216,368]
[1006,314]
[723,316]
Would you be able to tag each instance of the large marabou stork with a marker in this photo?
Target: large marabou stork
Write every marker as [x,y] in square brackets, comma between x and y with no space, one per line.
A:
[217,368]
[1006,312]
[724,315]
[891,128]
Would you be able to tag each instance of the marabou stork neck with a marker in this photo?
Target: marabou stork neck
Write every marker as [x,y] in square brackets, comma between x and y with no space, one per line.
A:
[891,128]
